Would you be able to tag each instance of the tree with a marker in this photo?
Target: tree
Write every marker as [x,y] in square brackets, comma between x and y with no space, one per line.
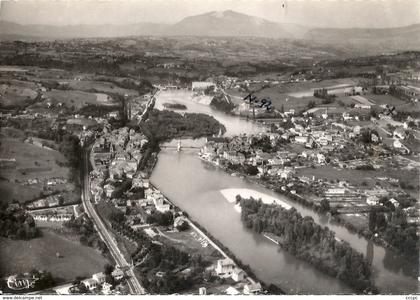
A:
[108,269]
[325,205]
[372,219]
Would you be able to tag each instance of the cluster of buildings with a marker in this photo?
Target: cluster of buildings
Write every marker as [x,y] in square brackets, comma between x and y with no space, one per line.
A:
[96,284]
[49,201]
[115,157]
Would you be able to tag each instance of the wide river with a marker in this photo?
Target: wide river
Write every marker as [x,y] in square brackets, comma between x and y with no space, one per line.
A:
[195,187]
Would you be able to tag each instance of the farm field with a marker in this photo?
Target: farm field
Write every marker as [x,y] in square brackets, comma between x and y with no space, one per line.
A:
[385,99]
[357,177]
[13,191]
[100,86]
[78,99]
[189,241]
[31,161]
[40,253]
[17,93]
[25,179]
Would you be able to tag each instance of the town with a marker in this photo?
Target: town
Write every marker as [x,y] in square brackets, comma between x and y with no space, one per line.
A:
[188,165]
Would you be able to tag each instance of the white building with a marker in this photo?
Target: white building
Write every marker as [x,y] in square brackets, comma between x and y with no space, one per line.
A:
[232,291]
[225,266]
[201,85]
[394,202]
[99,277]
[90,283]
[372,200]
[301,139]
[252,289]
[238,274]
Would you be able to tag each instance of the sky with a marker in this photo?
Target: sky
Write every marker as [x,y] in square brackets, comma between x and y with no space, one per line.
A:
[314,13]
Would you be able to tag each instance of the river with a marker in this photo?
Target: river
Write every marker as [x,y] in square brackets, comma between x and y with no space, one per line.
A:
[195,187]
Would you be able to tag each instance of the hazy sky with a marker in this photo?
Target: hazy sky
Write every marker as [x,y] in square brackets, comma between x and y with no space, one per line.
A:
[321,13]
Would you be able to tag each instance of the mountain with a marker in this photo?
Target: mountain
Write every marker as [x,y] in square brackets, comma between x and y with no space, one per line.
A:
[231,23]
[80,31]
[224,23]
[336,34]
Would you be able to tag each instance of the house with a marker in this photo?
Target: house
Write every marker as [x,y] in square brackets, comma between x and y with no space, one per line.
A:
[202,291]
[301,139]
[99,277]
[109,189]
[321,158]
[232,291]
[238,274]
[225,266]
[252,289]
[179,221]
[397,144]
[335,191]
[394,202]
[285,173]
[372,200]
[90,283]
[274,161]
[106,288]
[160,205]
[201,85]
[399,133]
[362,106]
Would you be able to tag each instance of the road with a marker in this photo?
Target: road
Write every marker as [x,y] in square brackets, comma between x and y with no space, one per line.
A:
[132,281]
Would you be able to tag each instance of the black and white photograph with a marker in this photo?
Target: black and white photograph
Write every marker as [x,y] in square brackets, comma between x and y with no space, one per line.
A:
[209,147]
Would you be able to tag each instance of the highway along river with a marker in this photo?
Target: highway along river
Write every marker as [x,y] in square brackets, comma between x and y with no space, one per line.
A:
[195,187]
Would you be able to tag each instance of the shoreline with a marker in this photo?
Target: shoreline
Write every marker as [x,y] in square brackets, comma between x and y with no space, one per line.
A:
[230,196]
[223,250]
[337,219]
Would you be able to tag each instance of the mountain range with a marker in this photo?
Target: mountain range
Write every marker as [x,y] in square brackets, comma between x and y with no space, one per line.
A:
[225,23]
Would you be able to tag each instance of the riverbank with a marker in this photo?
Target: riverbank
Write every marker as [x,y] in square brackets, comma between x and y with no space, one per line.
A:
[306,240]
[334,219]
[230,195]
[217,245]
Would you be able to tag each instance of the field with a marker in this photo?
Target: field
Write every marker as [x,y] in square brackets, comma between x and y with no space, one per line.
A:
[40,253]
[188,241]
[32,162]
[17,93]
[78,99]
[357,177]
[100,86]
[13,191]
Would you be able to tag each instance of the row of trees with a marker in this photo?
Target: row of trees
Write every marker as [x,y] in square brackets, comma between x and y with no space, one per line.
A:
[17,224]
[302,237]
[88,235]
[152,258]
[166,125]
[394,229]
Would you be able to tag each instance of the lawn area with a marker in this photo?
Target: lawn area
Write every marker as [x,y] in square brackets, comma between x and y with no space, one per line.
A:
[355,177]
[78,99]
[40,253]
[13,191]
[360,221]
[32,162]
[188,241]
[384,99]
[100,86]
